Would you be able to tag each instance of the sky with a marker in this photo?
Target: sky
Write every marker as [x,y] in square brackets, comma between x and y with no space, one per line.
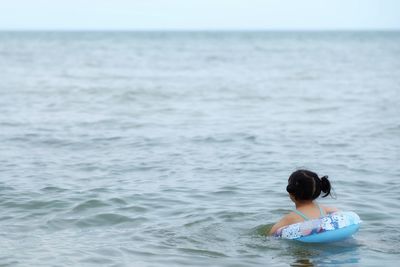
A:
[199,14]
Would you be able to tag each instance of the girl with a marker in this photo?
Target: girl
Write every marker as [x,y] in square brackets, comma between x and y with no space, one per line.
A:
[304,187]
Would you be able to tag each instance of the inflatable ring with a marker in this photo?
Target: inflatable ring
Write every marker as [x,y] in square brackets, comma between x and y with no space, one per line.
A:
[330,228]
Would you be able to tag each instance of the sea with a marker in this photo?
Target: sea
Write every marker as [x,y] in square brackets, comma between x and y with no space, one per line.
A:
[174,148]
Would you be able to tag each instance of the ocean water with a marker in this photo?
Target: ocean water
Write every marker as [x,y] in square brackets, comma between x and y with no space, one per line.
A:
[174,149]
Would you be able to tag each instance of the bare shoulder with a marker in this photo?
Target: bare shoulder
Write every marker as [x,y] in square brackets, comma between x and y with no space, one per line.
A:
[286,220]
[289,218]
[329,209]
[292,217]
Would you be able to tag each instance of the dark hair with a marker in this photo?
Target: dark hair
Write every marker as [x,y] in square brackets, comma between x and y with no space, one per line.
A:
[306,185]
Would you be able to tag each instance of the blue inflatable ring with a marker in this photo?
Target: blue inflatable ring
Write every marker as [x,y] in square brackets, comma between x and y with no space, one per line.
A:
[330,228]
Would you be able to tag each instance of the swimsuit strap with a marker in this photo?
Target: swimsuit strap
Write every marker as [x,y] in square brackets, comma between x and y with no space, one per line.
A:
[321,212]
[302,215]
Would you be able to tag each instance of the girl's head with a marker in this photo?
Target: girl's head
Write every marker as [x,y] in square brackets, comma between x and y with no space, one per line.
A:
[306,185]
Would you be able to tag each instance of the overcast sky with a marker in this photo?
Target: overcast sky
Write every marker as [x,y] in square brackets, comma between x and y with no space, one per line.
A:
[199,14]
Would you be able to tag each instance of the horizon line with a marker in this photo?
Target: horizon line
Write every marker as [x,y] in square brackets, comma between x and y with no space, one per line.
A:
[201,30]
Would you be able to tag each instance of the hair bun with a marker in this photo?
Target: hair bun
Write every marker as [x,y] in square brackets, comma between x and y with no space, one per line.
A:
[290,188]
[325,185]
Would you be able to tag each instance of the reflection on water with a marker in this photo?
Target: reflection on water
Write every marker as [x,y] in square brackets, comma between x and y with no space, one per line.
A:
[305,254]
[302,263]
